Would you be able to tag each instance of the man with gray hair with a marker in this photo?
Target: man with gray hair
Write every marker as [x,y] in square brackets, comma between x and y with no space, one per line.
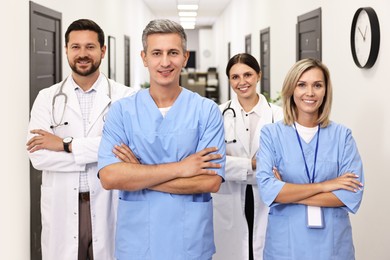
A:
[165,161]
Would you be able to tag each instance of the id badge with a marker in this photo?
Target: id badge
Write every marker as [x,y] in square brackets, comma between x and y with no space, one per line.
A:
[315,217]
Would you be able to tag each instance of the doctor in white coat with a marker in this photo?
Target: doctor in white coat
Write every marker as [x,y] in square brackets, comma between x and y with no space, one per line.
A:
[240,217]
[78,215]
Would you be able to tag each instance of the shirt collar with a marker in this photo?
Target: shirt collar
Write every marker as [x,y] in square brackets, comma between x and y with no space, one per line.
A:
[257,109]
[94,87]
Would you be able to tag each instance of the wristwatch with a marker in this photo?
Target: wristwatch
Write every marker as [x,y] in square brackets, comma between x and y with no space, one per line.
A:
[67,141]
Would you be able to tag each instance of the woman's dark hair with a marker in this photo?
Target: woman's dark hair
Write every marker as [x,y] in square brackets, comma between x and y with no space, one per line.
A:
[244,58]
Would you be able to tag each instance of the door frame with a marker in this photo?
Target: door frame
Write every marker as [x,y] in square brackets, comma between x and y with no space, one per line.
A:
[35,175]
[266,31]
[315,14]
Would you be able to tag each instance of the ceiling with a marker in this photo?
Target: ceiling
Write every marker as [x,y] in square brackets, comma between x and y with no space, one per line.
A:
[208,11]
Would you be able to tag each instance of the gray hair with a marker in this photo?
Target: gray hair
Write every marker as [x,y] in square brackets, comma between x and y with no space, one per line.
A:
[164,26]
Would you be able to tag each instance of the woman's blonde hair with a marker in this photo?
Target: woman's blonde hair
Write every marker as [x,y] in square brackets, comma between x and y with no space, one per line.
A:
[290,83]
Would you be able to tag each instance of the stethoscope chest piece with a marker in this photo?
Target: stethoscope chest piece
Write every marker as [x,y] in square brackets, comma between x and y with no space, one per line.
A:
[229,109]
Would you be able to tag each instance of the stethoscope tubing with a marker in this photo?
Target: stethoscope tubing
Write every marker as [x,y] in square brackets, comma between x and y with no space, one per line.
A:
[234,140]
[227,108]
[62,93]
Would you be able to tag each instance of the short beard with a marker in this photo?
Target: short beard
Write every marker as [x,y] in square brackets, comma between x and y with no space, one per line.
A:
[93,69]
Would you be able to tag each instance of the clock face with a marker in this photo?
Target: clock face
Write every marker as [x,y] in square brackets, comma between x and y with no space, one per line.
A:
[363,38]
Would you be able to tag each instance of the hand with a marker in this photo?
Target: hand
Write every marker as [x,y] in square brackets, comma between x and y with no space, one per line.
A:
[254,164]
[348,181]
[44,140]
[361,33]
[125,154]
[276,173]
[197,164]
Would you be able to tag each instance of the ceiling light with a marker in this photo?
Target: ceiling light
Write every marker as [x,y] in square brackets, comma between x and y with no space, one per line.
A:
[187,19]
[187,7]
[188,25]
[191,14]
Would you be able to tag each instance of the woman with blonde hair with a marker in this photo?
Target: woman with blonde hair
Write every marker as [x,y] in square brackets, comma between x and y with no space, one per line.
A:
[311,173]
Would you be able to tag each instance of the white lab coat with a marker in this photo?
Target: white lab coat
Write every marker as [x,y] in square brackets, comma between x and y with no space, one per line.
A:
[230,225]
[61,170]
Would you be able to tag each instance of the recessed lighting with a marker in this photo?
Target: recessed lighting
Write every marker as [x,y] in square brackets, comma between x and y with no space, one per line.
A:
[188,25]
[187,19]
[188,7]
[187,14]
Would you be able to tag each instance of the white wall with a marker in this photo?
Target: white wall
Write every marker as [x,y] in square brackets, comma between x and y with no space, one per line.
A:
[206,49]
[14,107]
[360,96]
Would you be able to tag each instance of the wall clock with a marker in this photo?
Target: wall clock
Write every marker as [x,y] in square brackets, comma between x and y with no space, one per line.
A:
[365,37]
[206,53]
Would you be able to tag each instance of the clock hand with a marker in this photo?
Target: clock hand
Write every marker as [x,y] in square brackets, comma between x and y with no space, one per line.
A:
[364,36]
[365,31]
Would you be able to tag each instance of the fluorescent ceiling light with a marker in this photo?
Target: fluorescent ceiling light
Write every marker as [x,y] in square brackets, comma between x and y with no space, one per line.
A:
[188,25]
[188,7]
[192,14]
[187,19]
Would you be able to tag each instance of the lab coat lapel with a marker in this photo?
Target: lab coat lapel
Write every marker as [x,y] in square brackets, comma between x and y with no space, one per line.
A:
[73,102]
[100,104]
[265,118]
[242,135]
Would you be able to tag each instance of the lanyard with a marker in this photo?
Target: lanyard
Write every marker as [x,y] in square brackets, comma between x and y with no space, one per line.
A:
[311,180]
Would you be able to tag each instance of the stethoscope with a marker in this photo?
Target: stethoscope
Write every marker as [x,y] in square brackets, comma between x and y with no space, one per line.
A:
[234,140]
[65,97]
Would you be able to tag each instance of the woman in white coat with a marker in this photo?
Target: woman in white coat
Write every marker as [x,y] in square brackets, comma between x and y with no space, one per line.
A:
[240,217]
[53,119]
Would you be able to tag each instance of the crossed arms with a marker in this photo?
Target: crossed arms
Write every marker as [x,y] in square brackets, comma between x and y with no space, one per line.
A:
[194,174]
[318,194]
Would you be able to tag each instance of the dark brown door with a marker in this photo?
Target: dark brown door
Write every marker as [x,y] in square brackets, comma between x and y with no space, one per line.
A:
[265,62]
[248,44]
[127,60]
[229,56]
[309,42]
[45,70]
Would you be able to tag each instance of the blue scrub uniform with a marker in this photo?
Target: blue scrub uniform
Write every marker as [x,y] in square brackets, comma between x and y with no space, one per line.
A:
[288,236]
[152,224]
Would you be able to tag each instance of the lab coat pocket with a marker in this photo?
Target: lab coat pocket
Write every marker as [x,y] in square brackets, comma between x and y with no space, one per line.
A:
[229,188]
[46,209]
[224,210]
[132,237]
[277,241]
[198,230]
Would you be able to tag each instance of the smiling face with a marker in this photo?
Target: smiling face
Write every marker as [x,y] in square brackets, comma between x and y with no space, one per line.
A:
[243,80]
[84,52]
[308,95]
[164,57]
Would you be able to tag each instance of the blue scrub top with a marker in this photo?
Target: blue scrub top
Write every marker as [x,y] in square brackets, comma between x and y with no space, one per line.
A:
[152,224]
[288,236]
